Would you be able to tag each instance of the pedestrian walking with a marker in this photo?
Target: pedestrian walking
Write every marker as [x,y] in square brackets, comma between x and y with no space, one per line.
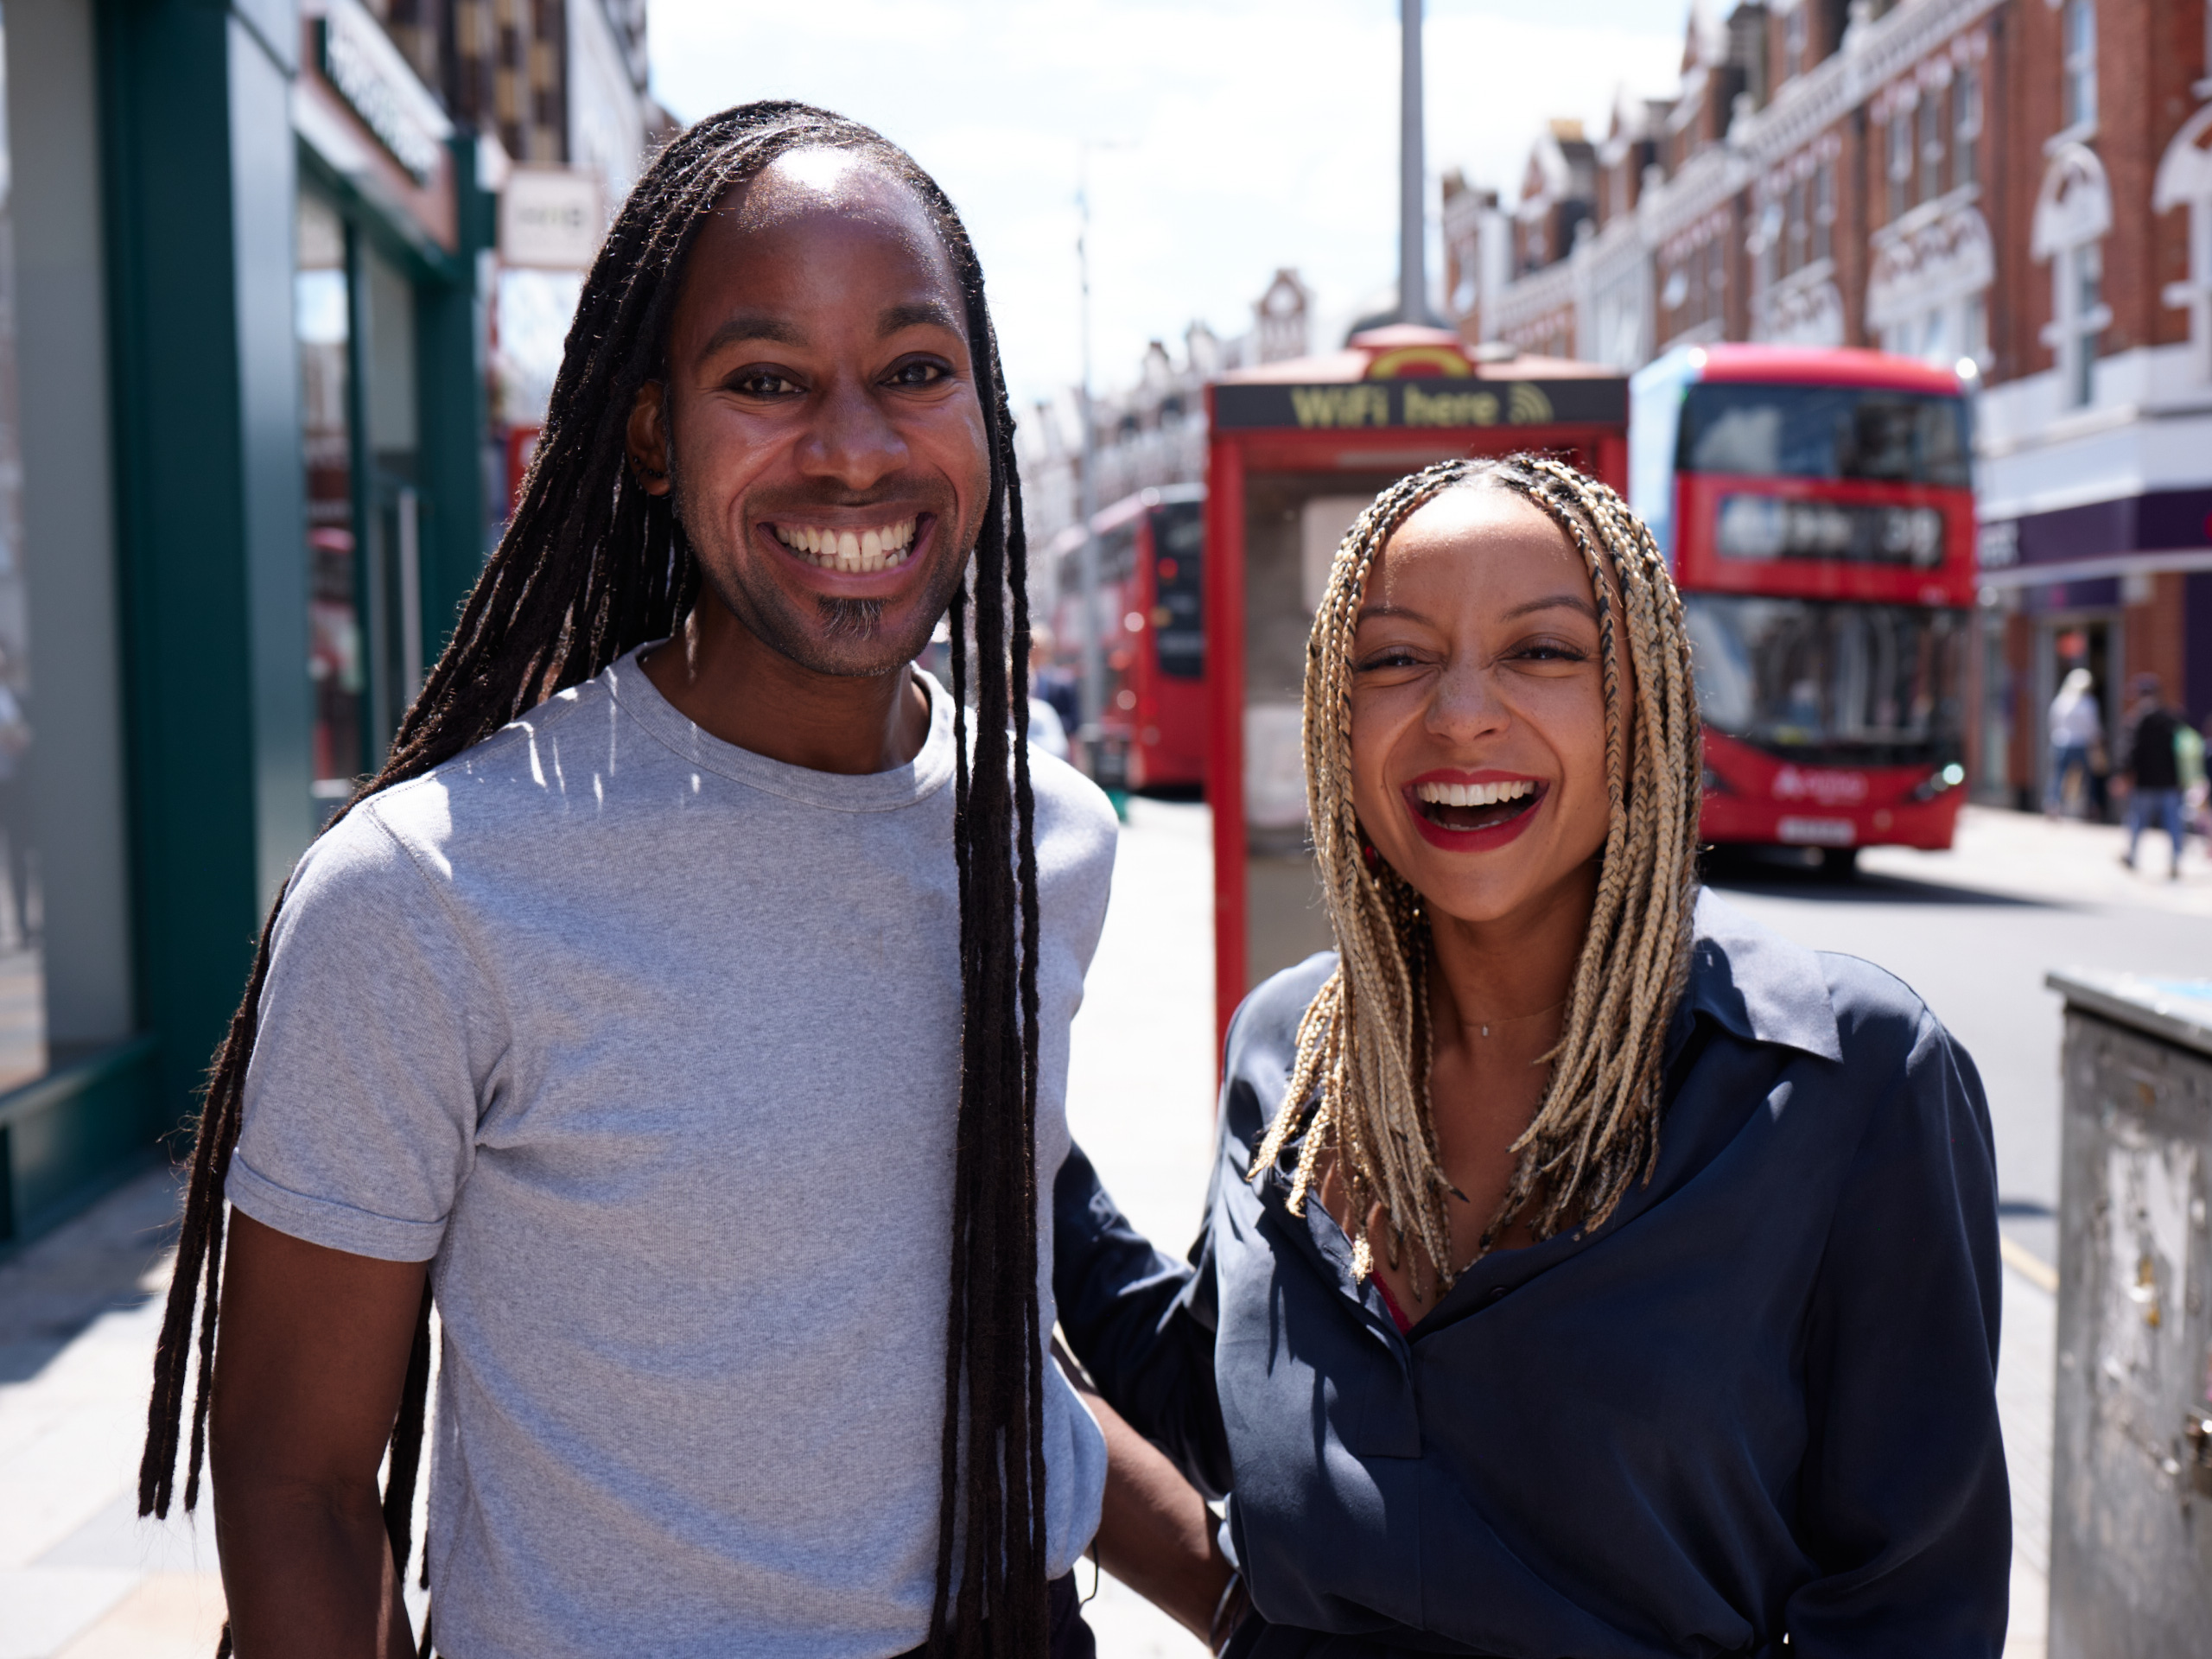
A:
[681,1012]
[2153,764]
[2076,731]
[1587,1270]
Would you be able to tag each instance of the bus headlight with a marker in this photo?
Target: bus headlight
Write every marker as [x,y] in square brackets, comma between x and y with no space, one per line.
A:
[1936,783]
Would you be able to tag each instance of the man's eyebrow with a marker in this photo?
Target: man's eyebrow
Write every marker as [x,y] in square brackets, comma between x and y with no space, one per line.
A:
[1549,602]
[753,325]
[917,314]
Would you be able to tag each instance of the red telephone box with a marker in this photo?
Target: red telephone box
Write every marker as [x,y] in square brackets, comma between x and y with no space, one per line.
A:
[1298,449]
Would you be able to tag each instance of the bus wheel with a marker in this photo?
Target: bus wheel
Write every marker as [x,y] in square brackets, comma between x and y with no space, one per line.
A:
[1839,863]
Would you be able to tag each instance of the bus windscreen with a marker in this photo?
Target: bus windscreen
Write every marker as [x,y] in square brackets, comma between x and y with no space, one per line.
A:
[1825,681]
[1178,625]
[1861,433]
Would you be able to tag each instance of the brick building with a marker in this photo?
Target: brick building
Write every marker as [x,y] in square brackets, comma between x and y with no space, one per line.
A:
[2023,184]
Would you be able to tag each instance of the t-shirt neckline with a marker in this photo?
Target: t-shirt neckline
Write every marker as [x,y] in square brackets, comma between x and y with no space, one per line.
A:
[931,769]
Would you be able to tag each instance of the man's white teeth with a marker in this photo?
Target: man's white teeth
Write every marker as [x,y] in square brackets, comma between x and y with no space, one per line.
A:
[1475,794]
[848,550]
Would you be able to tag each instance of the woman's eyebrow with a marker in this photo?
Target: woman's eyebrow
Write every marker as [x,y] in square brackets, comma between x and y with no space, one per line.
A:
[1551,602]
[1368,613]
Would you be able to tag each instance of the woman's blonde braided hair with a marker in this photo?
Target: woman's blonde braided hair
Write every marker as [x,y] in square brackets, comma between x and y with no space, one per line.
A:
[1360,1083]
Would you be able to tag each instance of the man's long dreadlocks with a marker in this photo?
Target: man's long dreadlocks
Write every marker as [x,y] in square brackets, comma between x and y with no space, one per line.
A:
[1360,1083]
[591,566]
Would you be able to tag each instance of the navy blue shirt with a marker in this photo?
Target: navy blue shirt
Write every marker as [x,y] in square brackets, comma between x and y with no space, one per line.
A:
[1760,1401]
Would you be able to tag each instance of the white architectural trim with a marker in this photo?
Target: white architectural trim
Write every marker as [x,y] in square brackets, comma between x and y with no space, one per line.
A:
[2184,180]
[2098,569]
[1930,259]
[2073,204]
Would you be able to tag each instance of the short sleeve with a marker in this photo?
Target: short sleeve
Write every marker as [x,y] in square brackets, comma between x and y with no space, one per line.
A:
[376,1041]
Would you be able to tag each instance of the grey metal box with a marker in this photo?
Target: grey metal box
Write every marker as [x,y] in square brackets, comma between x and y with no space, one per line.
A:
[2130,1550]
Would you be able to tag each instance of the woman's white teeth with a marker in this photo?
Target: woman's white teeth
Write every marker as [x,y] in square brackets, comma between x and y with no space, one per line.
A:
[1475,794]
[851,550]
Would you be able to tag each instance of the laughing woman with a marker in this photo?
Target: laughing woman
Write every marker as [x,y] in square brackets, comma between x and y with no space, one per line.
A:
[1587,1271]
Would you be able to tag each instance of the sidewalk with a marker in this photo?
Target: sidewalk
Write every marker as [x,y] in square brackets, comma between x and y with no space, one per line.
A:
[2020,854]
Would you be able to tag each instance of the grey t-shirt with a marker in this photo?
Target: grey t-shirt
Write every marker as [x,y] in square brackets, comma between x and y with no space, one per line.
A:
[650,1046]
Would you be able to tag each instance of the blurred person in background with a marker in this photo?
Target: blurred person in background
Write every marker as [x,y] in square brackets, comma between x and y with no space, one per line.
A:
[1587,1270]
[1052,683]
[2151,766]
[2076,732]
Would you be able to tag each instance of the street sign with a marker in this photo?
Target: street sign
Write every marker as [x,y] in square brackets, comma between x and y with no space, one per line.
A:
[551,218]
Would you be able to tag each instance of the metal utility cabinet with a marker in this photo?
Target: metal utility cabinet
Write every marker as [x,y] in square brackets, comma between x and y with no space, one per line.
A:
[2130,1553]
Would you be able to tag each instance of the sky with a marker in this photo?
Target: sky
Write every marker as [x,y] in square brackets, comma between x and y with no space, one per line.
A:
[1222,139]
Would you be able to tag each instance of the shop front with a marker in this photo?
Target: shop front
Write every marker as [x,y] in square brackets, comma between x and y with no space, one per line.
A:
[2117,589]
[242,265]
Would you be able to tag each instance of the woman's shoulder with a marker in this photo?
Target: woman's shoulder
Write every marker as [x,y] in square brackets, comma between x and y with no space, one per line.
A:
[1766,986]
[1262,1047]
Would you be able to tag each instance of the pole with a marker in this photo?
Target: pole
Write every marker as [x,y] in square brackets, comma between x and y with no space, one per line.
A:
[1413,200]
[1093,659]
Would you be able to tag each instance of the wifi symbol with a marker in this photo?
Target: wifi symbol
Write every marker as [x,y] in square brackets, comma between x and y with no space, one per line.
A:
[1526,405]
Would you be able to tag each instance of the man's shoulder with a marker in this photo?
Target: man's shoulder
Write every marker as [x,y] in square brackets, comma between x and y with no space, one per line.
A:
[1076,824]
[525,769]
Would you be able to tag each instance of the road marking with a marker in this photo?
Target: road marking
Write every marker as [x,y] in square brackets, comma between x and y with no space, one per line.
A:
[2030,1266]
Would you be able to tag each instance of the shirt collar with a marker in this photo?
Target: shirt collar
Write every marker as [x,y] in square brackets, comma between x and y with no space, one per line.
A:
[1757,983]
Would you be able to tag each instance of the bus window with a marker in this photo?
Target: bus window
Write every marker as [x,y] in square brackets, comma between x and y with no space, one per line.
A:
[1178,625]
[1753,429]
[1825,683]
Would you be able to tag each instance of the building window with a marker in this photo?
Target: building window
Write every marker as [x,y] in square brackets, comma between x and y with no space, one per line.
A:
[1966,126]
[1823,210]
[2081,276]
[1794,39]
[1900,162]
[1977,329]
[2081,64]
[1796,232]
[1931,145]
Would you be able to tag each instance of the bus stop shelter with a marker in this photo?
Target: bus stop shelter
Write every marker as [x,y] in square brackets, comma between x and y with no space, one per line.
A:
[1298,449]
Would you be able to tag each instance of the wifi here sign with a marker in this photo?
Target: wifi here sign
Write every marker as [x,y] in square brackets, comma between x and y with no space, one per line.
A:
[1368,404]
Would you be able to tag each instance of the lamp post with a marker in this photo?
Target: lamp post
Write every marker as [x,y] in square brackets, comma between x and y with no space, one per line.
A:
[1094,656]
[1413,216]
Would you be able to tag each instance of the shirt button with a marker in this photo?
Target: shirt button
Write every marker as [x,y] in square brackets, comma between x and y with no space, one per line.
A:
[1497,1292]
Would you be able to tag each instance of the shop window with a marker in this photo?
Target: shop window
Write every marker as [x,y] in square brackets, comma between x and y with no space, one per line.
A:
[1966,126]
[354,317]
[22,972]
[337,664]
[2080,65]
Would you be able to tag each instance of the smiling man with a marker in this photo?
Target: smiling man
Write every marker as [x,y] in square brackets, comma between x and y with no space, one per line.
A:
[683,1010]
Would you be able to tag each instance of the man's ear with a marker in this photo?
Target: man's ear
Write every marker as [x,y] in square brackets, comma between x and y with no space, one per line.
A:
[648,438]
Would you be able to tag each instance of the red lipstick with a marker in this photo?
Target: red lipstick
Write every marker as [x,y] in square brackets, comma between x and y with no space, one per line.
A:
[1490,836]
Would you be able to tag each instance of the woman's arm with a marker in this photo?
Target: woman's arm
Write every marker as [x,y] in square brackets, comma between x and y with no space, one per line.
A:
[307,1377]
[1904,1504]
[1142,1323]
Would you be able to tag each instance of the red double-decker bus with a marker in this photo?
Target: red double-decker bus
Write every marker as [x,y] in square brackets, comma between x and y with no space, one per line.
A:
[1816,506]
[1152,630]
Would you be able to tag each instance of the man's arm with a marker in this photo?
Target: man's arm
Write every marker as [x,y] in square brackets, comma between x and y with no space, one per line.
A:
[1155,1532]
[308,1376]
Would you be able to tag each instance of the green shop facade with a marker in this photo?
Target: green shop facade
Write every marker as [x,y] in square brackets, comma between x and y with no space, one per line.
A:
[244,269]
